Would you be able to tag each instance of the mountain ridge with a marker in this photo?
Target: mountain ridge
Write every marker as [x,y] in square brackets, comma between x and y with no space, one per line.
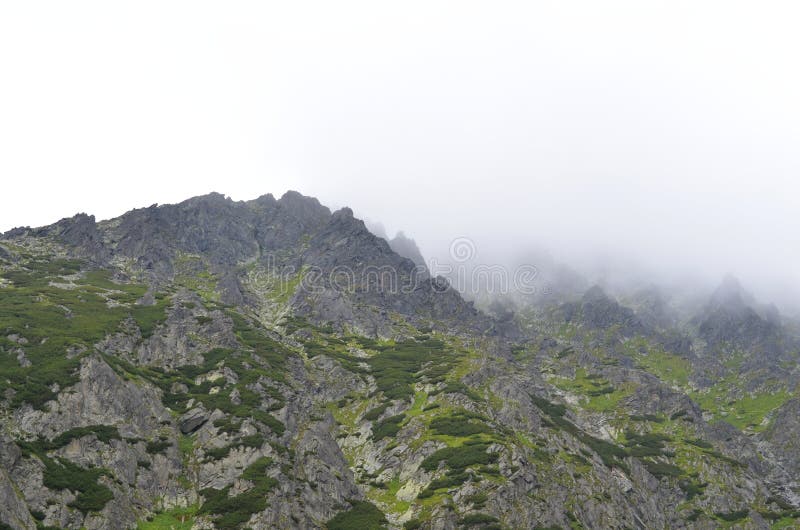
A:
[199,365]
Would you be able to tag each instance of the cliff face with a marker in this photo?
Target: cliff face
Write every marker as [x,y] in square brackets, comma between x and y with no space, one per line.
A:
[271,364]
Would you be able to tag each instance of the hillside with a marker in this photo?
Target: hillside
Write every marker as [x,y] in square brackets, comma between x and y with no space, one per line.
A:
[273,364]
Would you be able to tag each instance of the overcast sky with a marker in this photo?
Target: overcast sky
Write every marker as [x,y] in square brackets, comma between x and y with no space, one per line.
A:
[666,133]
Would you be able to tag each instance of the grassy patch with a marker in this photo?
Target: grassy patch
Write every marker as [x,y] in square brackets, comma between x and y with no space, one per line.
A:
[748,412]
[176,519]
[598,394]
[666,366]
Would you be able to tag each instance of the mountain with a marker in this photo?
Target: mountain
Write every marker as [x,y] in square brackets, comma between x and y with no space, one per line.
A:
[407,247]
[273,364]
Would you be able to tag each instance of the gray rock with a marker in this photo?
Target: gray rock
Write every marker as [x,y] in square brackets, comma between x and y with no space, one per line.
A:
[192,420]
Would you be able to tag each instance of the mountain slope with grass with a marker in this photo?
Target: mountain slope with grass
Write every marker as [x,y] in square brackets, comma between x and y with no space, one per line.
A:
[273,364]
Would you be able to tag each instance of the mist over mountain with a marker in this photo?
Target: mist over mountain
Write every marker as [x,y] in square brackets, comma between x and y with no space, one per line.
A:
[399,265]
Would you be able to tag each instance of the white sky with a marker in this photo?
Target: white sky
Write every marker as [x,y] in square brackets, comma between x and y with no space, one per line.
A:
[666,132]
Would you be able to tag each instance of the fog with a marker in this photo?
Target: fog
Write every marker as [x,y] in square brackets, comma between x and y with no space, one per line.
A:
[629,139]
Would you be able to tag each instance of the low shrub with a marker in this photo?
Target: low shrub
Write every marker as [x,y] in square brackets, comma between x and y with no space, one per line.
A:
[362,515]
[388,428]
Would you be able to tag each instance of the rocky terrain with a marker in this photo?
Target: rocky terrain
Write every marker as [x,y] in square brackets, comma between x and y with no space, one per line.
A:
[273,364]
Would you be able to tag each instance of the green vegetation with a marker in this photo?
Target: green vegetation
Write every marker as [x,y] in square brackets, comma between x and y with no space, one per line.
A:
[747,412]
[692,488]
[51,319]
[668,367]
[395,368]
[599,394]
[263,359]
[611,455]
[374,414]
[61,474]
[64,475]
[158,446]
[451,479]
[362,515]
[476,519]
[387,428]
[253,441]
[662,469]
[175,519]
[56,329]
[227,425]
[233,511]
[458,458]
[647,417]
[650,444]
[461,424]
[148,317]
[734,516]
[104,433]
[191,272]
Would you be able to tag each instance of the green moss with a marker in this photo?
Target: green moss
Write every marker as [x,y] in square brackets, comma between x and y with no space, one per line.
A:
[192,272]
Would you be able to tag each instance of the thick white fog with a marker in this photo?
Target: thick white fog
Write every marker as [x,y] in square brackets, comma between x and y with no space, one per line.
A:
[655,136]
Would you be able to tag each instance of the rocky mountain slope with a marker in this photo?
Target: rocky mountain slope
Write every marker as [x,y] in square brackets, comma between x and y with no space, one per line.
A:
[272,364]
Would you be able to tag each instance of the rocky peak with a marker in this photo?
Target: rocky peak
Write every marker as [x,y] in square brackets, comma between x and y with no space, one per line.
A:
[303,207]
[289,234]
[596,294]
[652,308]
[598,310]
[732,318]
[407,247]
[730,296]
